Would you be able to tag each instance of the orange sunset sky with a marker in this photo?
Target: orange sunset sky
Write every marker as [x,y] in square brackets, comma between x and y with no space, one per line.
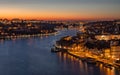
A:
[56,9]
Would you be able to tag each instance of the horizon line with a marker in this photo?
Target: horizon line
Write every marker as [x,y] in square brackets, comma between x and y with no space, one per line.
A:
[57,19]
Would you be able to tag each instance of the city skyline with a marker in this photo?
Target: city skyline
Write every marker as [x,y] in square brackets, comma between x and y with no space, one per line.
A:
[60,9]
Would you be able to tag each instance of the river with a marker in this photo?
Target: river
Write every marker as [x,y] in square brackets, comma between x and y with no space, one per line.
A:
[32,56]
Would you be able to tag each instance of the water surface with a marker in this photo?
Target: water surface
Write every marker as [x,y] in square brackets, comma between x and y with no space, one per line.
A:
[32,56]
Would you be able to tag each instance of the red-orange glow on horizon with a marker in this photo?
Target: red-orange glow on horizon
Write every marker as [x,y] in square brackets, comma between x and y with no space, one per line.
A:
[39,17]
[48,15]
[59,10]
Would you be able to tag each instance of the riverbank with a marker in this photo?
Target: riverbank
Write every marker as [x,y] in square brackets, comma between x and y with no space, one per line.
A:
[105,62]
[27,36]
[84,49]
[87,56]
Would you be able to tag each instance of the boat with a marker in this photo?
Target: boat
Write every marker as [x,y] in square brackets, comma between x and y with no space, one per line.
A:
[108,65]
[55,50]
[91,61]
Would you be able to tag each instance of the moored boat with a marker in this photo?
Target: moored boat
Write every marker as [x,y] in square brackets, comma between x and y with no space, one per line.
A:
[55,50]
[91,61]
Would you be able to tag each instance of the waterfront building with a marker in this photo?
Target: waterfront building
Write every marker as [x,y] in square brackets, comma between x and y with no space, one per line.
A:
[107,53]
[115,52]
[67,38]
[107,36]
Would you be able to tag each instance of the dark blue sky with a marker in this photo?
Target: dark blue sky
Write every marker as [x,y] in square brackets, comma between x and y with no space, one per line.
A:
[60,1]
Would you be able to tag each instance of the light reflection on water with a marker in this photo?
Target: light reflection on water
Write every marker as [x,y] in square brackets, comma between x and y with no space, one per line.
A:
[32,56]
[84,67]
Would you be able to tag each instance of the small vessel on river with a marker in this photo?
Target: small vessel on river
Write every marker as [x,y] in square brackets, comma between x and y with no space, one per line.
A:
[90,61]
[54,49]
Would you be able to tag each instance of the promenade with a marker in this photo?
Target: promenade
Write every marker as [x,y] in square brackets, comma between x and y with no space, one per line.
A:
[85,55]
